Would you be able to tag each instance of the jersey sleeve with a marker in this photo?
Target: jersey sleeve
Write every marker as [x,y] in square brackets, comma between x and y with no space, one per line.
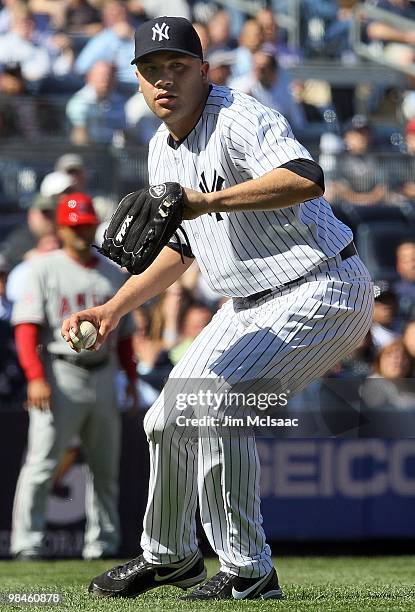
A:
[30,306]
[180,247]
[260,140]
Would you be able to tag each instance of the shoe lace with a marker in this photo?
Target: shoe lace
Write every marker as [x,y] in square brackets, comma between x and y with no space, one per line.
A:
[215,584]
[123,571]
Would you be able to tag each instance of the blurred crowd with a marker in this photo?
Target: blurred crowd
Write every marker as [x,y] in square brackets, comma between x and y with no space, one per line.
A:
[65,66]
[77,54]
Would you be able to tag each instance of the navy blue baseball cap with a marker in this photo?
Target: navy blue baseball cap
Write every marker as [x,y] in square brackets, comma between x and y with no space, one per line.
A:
[167,34]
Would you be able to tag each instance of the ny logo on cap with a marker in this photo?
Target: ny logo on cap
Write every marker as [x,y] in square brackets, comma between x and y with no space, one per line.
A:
[162,31]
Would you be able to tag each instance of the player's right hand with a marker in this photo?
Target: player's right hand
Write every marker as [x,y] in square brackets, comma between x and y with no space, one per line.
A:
[104,319]
[39,394]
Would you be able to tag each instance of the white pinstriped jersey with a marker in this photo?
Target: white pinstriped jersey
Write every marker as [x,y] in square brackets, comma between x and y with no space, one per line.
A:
[241,253]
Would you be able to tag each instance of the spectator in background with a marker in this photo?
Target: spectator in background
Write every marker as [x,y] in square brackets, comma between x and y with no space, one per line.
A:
[271,37]
[219,31]
[268,23]
[270,85]
[194,321]
[408,338]
[62,54]
[398,43]
[313,98]
[114,44]
[82,18]
[49,14]
[159,333]
[17,279]
[250,40]
[97,110]
[359,179]
[40,222]
[153,363]
[385,327]
[104,204]
[45,29]
[394,365]
[393,361]
[337,39]
[168,312]
[405,286]
[18,46]
[55,184]
[19,116]
[220,66]
[73,165]
[6,14]
[62,79]
[203,34]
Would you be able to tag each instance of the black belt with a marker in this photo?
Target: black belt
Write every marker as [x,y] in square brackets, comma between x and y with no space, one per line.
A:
[80,363]
[348,251]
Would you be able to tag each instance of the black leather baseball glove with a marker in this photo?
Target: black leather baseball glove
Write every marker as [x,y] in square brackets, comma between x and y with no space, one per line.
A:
[142,225]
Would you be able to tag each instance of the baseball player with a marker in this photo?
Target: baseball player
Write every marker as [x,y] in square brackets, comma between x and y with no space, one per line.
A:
[69,394]
[301,299]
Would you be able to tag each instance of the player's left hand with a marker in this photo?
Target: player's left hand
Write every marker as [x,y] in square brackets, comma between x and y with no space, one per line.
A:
[196,203]
[131,396]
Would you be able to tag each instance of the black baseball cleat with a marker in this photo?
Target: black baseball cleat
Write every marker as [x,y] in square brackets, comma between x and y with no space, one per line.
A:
[226,586]
[138,576]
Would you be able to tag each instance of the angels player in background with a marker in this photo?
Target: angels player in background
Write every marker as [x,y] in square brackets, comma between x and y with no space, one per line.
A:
[301,299]
[69,394]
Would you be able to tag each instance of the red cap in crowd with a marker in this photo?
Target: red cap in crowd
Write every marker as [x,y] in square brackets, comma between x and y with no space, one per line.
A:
[76,209]
[410,127]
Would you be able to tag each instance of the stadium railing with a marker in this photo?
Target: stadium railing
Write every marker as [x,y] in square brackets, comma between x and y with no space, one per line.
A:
[373,50]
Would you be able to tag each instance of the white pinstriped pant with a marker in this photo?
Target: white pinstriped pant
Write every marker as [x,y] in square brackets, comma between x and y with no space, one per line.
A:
[293,336]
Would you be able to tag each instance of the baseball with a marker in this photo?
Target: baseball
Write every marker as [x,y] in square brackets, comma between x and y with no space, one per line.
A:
[86,336]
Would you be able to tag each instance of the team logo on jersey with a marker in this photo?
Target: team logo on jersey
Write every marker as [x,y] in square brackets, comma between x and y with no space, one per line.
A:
[124,227]
[217,185]
[72,204]
[157,191]
[161,31]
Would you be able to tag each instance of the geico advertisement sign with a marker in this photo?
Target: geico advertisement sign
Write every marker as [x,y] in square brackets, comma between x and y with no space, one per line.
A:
[324,468]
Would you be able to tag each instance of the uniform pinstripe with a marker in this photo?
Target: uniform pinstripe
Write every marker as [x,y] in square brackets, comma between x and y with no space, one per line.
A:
[286,339]
[245,252]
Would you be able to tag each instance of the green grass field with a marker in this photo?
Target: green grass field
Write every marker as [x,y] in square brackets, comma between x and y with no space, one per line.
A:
[312,584]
